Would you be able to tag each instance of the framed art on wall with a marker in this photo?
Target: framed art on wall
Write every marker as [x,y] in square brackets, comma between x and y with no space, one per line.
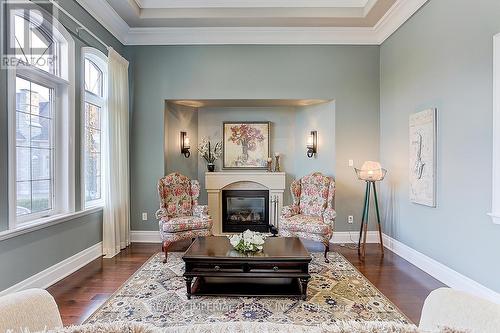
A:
[423,157]
[245,145]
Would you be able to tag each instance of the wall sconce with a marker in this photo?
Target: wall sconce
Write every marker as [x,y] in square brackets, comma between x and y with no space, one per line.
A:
[185,146]
[312,144]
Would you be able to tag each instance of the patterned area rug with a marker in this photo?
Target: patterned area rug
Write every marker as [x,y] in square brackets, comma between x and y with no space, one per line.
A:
[155,294]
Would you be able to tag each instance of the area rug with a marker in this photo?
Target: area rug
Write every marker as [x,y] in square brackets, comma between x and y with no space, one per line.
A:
[156,294]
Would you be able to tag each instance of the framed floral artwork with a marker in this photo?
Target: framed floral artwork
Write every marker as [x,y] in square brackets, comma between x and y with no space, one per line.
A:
[245,145]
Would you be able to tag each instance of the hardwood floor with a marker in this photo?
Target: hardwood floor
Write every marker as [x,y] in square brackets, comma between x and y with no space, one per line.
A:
[81,293]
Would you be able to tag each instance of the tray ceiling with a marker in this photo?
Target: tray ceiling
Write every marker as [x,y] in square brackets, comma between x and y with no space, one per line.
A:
[173,22]
[246,13]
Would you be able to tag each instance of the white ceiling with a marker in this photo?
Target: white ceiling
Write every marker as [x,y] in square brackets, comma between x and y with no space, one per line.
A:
[174,22]
[247,13]
[248,3]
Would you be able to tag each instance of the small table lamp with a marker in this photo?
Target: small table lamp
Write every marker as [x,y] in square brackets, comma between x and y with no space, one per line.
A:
[370,172]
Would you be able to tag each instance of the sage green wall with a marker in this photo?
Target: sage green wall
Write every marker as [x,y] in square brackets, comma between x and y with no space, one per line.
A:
[180,118]
[30,253]
[320,118]
[442,57]
[348,74]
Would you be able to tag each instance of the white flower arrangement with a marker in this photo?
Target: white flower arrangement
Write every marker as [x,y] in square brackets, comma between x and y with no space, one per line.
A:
[209,152]
[248,241]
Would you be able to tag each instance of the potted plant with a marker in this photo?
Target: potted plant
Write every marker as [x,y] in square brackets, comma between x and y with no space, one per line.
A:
[210,152]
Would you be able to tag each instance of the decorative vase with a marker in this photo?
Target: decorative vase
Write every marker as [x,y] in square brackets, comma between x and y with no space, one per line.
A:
[211,167]
[277,167]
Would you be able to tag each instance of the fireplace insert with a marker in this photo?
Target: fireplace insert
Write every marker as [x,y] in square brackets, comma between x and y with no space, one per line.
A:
[245,209]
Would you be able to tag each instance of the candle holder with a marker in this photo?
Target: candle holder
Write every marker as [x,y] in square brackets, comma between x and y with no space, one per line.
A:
[277,163]
[269,164]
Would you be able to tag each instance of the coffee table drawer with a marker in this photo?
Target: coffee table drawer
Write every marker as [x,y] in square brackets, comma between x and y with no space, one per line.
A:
[277,267]
[217,268]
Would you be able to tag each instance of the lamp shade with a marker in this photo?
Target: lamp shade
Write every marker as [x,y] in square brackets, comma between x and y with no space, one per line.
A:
[371,171]
[310,141]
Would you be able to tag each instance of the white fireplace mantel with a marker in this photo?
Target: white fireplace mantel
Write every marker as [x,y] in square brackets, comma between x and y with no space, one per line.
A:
[216,182]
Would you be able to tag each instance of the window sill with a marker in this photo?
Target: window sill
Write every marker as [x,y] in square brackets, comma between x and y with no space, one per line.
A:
[45,223]
[94,205]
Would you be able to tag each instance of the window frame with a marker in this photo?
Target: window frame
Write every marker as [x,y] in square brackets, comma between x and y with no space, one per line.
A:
[36,78]
[101,61]
[62,84]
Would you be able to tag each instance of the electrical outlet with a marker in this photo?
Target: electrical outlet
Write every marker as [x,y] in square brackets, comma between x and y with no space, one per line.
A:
[144,216]
[351,163]
[350,219]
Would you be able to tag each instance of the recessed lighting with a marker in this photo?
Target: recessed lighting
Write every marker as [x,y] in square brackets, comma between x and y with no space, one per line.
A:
[194,104]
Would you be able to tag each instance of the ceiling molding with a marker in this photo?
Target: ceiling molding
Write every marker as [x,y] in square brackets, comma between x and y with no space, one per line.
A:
[168,4]
[399,13]
[369,6]
[238,35]
[102,11]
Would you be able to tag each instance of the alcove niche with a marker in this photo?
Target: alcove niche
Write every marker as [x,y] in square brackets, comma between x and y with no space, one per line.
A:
[291,122]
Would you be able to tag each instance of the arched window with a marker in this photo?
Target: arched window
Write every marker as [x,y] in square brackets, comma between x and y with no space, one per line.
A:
[94,118]
[41,116]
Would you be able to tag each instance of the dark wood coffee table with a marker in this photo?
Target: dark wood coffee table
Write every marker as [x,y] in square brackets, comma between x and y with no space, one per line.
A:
[281,269]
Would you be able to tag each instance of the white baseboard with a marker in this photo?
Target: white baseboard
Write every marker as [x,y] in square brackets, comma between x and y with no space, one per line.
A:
[341,237]
[346,237]
[439,271]
[139,236]
[57,272]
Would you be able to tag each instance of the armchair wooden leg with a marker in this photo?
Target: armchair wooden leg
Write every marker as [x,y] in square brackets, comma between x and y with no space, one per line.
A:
[165,247]
[327,249]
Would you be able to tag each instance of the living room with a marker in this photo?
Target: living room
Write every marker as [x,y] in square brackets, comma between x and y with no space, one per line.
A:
[329,86]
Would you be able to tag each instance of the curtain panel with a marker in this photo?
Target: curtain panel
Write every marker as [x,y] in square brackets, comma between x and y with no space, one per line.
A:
[116,214]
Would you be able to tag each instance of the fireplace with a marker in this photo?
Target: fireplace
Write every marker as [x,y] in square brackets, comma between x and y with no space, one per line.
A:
[270,185]
[245,209]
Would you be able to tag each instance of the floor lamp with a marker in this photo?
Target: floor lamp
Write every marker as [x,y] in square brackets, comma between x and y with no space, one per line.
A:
[371,172]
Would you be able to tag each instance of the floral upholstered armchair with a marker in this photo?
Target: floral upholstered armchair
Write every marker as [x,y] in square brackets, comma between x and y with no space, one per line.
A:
[311,216]
[180,215]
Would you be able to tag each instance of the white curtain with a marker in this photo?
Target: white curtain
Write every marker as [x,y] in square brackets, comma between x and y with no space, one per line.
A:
[116,215]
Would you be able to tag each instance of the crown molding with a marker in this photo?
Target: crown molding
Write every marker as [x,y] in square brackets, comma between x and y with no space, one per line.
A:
[102,11]
[239,35]
[167,4]
[397,15]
